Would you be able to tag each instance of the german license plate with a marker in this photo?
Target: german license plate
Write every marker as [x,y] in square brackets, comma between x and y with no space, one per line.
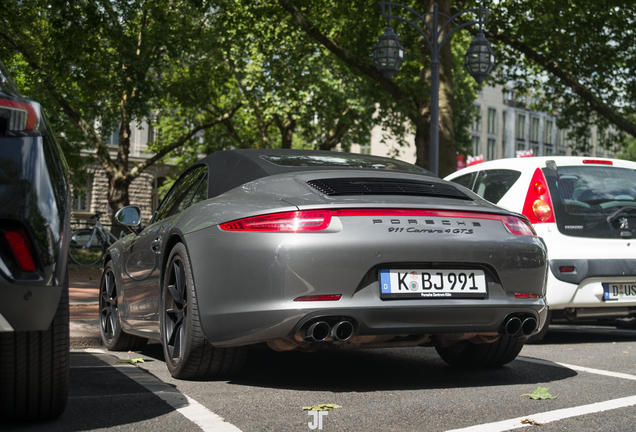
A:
[621,292]
[432,284]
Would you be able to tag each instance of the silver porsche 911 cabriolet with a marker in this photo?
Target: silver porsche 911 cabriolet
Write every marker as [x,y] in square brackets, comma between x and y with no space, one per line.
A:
[302,250]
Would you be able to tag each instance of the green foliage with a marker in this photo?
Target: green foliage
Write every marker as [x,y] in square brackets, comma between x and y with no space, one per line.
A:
[578,57]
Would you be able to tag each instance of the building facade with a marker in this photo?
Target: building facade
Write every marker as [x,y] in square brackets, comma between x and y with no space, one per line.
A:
[504,125]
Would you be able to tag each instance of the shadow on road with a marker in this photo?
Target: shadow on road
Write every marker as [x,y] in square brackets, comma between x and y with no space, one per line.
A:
[561,334]
[111,398]
[382,369]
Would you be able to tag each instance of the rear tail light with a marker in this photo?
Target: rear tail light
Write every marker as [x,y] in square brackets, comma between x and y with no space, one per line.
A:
[318,220]
[308,220]
[538,205]
[19,246]
[20,116]
[525,296]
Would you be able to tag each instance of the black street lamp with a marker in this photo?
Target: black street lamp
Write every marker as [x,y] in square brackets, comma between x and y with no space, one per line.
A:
[479,60]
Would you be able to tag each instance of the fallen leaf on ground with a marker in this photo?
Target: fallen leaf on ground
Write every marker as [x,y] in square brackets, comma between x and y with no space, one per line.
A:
[321,407]
[540,393]
[131,361]
[531,422]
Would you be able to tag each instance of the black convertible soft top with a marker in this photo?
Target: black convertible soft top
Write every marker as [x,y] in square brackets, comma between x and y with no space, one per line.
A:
[232,168]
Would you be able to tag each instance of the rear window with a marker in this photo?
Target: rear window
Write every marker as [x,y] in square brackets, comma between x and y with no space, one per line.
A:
[492,185]
[594,201]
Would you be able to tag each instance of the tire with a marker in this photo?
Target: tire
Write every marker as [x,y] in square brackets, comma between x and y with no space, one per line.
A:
[469,355]
[188,354]
[113,337]
[34,369]
[81,255]
[539,336]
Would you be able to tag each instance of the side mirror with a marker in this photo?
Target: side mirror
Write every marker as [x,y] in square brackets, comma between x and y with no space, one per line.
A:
[129,216]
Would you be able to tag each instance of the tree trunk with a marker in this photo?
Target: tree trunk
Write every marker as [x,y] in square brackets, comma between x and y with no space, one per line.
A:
[447,144]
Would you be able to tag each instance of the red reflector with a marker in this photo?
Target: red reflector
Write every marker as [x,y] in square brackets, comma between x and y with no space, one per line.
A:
[566,269]
[307,220]
[598,162]
[525,296]
[333,297]
[20,250]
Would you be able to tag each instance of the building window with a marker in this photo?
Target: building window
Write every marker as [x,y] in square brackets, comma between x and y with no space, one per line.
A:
[476,126]
[534,129]
[82,195]
[561,152]
[521,146]
[157,193]
[490,151]
[548,151]
[151,134]
[112,137]
[492,121]
[562,138]
[549,132]
[521,126]
[365,149]
[536,150]
[476,145]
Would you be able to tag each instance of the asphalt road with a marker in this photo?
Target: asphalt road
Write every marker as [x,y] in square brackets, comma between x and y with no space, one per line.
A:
[409,389]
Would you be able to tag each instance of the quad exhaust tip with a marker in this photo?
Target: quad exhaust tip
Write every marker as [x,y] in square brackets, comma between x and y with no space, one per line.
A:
[318,332]
[515,326]
[342,331]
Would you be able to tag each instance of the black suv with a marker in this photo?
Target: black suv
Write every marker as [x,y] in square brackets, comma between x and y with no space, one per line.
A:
[34,236]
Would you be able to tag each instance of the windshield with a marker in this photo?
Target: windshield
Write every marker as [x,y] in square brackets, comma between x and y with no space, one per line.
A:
[340,160]
[594,201]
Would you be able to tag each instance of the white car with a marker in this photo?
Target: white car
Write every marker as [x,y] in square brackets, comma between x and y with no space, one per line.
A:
[585,210]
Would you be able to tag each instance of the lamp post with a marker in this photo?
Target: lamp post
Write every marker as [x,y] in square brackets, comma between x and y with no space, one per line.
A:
[388,55]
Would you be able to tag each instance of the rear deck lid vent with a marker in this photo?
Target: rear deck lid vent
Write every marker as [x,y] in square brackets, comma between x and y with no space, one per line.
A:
[382,186]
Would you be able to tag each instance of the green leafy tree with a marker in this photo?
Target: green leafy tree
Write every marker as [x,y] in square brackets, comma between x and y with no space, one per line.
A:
[100,64]
[578,57]
[350,30]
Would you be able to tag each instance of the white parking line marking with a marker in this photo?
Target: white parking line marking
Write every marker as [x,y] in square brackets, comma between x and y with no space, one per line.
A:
[579,368]
[561,414]
[551,416]
[185,405]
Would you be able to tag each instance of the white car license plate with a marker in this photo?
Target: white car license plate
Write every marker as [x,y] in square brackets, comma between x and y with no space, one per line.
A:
[432,284]
[621,292]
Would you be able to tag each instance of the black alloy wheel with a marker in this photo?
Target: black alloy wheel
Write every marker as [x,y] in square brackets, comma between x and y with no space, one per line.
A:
[114,338]
[188,353]
[176,310]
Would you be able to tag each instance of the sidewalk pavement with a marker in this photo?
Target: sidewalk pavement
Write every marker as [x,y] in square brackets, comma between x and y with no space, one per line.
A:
[84,306]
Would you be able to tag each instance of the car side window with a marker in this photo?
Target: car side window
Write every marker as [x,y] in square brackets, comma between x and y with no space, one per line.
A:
[180,196]
[202,191]
[492,185]
[465,180]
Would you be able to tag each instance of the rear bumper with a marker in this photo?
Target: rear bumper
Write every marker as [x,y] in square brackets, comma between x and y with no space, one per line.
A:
[246,283]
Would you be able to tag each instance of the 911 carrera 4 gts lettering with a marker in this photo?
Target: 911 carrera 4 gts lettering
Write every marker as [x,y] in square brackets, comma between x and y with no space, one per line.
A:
[432,231]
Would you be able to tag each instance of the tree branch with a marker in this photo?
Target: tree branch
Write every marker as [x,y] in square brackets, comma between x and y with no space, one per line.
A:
[567,78]
[75,116]
[366,68]
[137,170]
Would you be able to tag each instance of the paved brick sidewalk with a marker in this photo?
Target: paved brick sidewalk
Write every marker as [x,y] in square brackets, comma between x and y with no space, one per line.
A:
[84,305]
